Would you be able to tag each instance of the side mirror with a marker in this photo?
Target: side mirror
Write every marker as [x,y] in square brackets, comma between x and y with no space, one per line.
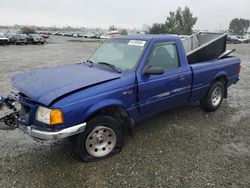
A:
[152,70]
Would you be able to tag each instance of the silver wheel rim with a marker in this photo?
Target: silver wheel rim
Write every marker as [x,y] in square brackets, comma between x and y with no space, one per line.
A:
[101,141]
[216,96]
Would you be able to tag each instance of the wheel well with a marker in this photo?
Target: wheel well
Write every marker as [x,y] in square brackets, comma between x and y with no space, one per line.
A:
[223,80]
[120,115]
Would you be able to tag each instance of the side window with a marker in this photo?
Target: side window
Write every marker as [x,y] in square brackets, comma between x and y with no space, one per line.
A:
[165,56]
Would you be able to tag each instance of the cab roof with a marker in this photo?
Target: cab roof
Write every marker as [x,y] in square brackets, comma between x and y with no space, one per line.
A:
[149,37]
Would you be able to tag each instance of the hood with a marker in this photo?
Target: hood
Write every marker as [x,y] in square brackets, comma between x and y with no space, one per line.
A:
[46,85]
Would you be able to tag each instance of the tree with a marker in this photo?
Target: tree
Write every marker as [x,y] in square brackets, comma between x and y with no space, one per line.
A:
[239,26]
[189,21]
[158,28]
[112,28]
[180,22]
[123,31]
[146,28]
[27,30]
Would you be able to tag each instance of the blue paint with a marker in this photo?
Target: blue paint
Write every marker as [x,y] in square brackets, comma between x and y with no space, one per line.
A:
[46,85]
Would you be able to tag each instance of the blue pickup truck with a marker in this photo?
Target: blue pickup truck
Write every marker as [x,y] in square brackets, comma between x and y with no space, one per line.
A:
[127,79]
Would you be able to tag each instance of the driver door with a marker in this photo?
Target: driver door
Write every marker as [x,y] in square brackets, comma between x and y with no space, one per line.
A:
[167,90]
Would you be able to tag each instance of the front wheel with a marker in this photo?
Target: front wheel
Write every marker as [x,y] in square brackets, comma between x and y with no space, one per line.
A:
[102,138]
[214,97]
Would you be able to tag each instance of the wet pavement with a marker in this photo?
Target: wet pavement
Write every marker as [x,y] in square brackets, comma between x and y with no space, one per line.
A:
[184,147]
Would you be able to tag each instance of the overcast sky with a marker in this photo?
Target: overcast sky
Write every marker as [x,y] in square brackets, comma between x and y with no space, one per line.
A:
[212,14]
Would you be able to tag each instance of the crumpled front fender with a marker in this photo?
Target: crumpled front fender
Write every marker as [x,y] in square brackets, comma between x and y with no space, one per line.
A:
[103,104]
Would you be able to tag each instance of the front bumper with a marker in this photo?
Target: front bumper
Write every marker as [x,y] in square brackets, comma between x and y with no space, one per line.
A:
[52,135]
[4,41]
[236,80]
[37,41]
[20,119]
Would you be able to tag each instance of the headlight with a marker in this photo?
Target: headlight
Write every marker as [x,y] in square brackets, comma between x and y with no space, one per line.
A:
[49,116]
[17,105]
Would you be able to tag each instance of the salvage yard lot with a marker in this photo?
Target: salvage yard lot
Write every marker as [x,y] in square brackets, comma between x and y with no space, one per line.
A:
[184,147]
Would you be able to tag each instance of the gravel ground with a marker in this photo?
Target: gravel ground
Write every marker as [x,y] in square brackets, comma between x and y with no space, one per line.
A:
[184,147]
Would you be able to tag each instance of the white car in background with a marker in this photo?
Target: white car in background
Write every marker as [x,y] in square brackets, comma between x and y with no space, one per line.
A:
[105,36]
[242,39]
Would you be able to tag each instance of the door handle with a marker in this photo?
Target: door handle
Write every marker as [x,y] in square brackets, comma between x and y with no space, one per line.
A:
[181,77]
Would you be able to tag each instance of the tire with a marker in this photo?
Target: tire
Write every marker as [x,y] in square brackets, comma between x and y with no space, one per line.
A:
[214,97]
[102,138]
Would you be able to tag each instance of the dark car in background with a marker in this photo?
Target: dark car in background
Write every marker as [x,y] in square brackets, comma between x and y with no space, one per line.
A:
[35,39]
[3,39]
[18,39]
[232,39]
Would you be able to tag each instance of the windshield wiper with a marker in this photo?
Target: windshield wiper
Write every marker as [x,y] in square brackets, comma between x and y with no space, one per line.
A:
[91,62]
[88,61]
[110,65]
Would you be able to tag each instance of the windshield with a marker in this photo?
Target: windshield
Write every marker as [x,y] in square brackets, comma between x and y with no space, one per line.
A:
[122,53]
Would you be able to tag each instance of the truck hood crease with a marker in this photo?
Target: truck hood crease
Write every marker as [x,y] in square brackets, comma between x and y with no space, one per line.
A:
[46,85]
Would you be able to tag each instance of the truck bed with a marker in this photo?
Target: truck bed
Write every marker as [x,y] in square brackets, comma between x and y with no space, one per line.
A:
[204,73]
[204,46]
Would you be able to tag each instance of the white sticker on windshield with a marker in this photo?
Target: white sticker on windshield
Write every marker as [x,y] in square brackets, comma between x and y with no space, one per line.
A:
[137,42]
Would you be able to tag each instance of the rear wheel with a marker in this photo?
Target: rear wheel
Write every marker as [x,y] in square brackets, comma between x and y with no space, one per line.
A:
[214,97]
[102,138]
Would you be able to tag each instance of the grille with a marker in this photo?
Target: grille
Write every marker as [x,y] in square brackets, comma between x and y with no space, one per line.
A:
[24,114]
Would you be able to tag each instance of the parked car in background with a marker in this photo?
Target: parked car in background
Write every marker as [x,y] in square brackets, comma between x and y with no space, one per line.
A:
[183,36]
[88,35]
[80,35]
[3,39]
[68,34]
[237,39]
[28,38]
[105,36]
[248,39]
[45,36]
[36,39]
[232,39]
[242,39]
[93,35]
[18,39]
[98,35]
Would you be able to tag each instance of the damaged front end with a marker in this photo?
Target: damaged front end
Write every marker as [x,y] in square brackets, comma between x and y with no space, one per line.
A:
[17,110]
[22,115]
[8,122]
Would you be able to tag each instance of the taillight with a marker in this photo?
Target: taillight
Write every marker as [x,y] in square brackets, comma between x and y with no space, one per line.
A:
[239,68]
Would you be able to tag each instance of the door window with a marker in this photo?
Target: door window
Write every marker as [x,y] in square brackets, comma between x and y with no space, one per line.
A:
[165,56]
